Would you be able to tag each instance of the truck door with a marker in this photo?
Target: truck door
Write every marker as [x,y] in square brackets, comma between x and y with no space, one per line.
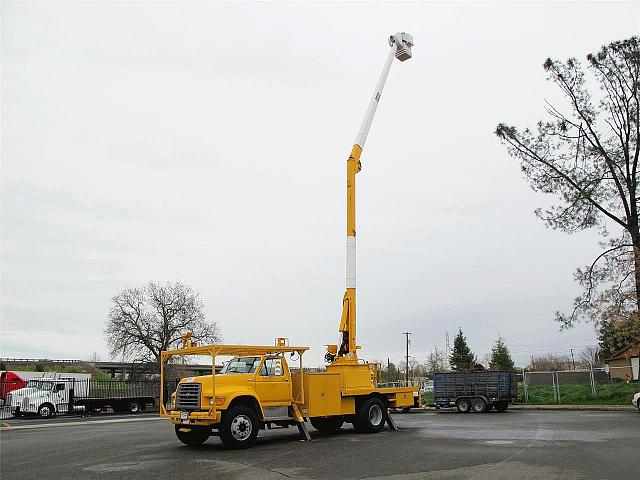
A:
[273,386]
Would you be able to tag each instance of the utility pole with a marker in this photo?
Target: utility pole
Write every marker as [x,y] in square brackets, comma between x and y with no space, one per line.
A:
[573,362]
[406,366]
[446,350]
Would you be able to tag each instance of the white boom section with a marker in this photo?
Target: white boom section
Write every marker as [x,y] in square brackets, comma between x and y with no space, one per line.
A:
[401,44]
[361,138]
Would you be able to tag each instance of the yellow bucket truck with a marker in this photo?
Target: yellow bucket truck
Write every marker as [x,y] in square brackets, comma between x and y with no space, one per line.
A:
[258,389]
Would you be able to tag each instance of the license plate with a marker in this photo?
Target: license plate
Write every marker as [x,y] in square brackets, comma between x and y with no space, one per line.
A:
[184,415]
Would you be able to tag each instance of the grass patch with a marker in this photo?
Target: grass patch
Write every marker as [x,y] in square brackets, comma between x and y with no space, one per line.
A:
[613,394]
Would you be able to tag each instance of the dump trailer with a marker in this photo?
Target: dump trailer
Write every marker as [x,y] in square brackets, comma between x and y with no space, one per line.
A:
[257,388]
[475,391]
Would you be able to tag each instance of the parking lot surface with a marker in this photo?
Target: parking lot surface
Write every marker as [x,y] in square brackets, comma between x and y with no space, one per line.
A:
[430,445]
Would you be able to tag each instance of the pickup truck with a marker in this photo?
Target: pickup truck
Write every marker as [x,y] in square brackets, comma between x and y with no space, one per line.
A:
[257,390]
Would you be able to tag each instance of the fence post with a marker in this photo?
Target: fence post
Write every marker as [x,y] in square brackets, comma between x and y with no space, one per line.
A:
[557,381]
[593,381]
[524,385]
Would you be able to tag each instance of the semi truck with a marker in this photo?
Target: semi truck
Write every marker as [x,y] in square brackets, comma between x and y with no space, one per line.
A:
[56,393]
[258,389]
[477,392]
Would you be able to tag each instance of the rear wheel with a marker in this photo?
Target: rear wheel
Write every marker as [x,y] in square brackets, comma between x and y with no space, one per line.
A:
[463,405]
[371,416]
[478,405]
[239,427]
[327,424]
[192,436]
[134,407]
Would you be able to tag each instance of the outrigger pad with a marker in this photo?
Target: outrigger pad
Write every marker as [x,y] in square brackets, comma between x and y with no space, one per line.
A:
[391,423]
[304,433]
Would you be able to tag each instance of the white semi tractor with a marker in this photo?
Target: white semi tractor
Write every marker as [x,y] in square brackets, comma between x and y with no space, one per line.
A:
[56,393]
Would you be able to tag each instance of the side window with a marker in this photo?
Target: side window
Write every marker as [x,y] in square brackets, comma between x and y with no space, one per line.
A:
[59,387]
[272,367]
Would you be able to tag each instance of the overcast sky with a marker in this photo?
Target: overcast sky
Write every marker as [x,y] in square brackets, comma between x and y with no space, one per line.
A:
[207,142]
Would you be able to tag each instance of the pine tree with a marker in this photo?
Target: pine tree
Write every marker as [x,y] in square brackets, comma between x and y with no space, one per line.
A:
[461,358]
[500,356]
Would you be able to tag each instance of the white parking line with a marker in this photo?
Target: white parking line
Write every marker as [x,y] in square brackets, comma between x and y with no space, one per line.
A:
[67,424]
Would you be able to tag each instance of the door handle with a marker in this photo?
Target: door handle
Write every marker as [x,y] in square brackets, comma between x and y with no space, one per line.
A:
[251,379]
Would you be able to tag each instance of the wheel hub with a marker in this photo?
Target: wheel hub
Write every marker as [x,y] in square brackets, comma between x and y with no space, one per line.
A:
[375,415]
[241,427]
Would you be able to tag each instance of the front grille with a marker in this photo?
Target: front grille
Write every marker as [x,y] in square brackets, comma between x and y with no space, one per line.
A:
[25,403]
[8,402]
[188,396]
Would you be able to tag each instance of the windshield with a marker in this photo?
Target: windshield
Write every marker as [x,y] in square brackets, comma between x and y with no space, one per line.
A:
[241,365]
[40,385]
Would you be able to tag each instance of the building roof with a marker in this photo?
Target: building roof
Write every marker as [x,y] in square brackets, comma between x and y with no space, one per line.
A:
[622,353]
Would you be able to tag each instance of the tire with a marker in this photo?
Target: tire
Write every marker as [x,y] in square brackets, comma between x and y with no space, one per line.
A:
[239,427]
[196,436]
[96,410]
[478,405]
[46,410]
[327,424]
[134,407]
[500,406]
[638,405]
[371,416]
[463,405]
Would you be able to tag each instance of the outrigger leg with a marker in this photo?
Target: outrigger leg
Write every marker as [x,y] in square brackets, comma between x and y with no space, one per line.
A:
[392,425]
[302,427]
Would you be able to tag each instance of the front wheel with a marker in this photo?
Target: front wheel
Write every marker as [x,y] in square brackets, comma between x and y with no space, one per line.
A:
[327,424]
[239,427]
[192,436]
[371,416]
[46,410]
[134,407]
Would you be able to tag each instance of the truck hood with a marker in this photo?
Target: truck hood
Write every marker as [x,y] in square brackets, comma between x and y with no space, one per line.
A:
[223,382]
[21,392]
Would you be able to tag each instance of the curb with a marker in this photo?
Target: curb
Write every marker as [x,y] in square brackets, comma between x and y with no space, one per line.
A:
[588,408]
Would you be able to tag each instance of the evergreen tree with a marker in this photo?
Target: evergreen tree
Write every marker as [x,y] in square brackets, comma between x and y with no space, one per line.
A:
[461,358]
[500,356]
[618,333]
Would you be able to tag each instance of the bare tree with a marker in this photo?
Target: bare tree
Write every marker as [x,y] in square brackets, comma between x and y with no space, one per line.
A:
[436,362]
[145,321]
[590,355]
[587,155]
[549,362]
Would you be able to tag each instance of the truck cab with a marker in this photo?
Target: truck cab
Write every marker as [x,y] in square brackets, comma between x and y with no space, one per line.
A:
[44,396]
[250,392]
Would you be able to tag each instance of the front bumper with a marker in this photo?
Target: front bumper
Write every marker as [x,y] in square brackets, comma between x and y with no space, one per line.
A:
[195,418]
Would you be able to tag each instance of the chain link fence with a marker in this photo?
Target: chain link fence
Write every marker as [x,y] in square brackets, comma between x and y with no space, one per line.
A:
[593,385]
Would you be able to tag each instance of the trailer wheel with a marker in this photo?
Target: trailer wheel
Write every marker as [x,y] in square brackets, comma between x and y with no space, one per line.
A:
[46,410]
[239,427]
[500,406]
[463,405]
[194,437]
[478,405]
[371,416]
[327,424]
[134,407]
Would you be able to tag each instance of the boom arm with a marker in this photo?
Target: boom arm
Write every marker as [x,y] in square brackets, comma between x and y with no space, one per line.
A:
[400,44]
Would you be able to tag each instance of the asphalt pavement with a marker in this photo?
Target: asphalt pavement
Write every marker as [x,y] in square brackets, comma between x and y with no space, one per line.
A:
[540,445]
